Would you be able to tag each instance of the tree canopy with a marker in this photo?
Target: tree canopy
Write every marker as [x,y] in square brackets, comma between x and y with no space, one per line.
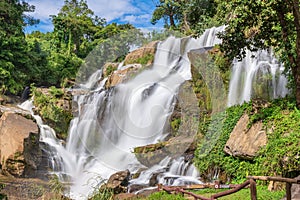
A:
[14,61]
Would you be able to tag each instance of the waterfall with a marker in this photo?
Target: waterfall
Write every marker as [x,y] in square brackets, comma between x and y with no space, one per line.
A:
[258,75]
[110,123]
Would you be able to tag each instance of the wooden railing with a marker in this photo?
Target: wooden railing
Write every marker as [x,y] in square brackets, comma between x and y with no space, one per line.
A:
[288,183]
[234,188]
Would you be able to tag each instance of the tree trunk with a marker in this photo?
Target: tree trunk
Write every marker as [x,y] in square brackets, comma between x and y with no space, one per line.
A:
[296,13]
[172,21]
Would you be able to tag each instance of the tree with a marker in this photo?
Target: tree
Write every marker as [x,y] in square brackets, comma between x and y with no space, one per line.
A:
[185,15]
[264,24]
[169,10]
[74,24]
[14,61]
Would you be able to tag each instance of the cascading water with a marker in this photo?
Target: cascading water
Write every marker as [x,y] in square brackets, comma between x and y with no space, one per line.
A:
[110,123]
[258,75]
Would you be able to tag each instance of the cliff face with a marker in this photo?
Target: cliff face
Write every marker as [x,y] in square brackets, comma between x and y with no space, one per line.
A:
[20,150]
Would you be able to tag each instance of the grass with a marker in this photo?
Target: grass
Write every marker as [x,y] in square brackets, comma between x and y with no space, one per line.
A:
[244,194]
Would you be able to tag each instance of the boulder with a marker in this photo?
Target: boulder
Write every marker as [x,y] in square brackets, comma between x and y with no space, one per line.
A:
[134,61]
[19,144]
[245,142]
[148,49]
[122,75]
[117,182]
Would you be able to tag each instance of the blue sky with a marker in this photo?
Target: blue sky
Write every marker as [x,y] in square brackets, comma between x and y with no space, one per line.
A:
[136,12]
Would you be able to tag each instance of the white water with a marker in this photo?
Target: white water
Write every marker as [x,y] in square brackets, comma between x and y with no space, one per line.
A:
[110,123]
[256,77]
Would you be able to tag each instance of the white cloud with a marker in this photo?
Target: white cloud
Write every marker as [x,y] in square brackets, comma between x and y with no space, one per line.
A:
[136,12]
[137,18]
[112,9]
[43,9]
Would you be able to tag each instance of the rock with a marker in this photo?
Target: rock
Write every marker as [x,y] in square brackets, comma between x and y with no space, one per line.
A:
[134,61]
[118,182]
[125,196]
[122,75]
[18,144]
[109,67]
[148,49]
[26,189]
[133,188]
[153,180]
[245,142]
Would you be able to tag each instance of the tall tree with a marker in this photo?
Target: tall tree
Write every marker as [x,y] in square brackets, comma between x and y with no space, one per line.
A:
[75,23]
[263,24]
[185,15]
[169,10]
[14,62]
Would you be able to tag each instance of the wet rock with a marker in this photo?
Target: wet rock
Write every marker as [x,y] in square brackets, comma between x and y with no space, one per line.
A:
[118,182]
[122,75]
[136,187]
[245,142]
[153,180]
[18,144]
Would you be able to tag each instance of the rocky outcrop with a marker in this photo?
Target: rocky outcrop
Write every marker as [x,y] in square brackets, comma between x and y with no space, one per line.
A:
[19,144]
[133,63]
[245,142]
[136,55]
[117,182]
[27,189]
[122,75]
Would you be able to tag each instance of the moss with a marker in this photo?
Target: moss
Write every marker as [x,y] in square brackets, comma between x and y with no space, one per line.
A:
[48,106]
[144,60]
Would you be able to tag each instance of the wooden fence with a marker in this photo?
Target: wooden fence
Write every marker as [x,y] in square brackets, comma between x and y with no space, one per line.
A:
[234,188]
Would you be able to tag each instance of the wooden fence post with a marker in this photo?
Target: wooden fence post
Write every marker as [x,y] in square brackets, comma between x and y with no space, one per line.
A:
[288,187]
[253,191]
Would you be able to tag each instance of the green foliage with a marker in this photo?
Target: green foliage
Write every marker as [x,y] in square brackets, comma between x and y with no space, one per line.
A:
[74,25]
[103,194]
[110,69]
[165,196]
[144,60]
[14,60]
[262,194]
[279,157]
[48,106]
[175,123]
[263,24]
[208,157]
